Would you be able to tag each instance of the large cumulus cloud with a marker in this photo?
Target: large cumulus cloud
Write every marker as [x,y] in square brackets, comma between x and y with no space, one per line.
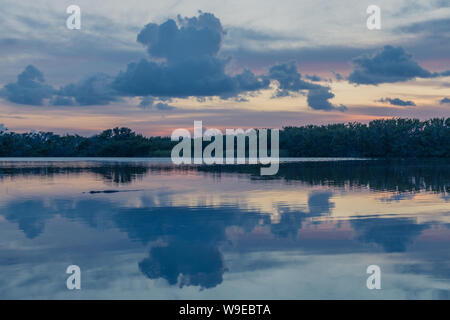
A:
[190,64]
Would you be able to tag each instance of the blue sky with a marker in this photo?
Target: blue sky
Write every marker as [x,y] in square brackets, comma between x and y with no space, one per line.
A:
[156,66]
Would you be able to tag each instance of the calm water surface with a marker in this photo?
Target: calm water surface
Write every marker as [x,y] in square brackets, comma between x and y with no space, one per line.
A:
[142,228]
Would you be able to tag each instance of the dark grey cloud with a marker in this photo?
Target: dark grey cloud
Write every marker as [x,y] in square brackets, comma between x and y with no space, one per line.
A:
[290,81]
[62,101]
[190,66]
[248,81]
[2,128]
[30,88]
[388,65]
[444,100]
[318,100]
[337,75]
[191,37]
[202,76]
[196,76]
[397,102]
[93,90]
[313,77]
[151,103]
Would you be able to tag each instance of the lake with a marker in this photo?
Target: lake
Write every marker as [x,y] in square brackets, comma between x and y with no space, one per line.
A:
[146,229]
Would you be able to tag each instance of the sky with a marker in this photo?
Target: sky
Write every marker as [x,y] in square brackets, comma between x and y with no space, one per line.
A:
[155,66]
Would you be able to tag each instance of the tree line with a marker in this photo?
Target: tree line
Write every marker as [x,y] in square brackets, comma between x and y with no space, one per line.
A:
[386,138]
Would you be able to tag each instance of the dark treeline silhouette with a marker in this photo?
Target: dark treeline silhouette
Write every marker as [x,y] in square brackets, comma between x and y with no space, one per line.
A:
[380,138]
[117,142]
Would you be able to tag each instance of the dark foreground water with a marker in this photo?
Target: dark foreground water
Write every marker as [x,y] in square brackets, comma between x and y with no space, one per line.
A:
[145,229]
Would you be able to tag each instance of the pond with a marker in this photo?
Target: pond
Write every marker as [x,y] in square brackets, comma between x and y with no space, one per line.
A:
[147,229]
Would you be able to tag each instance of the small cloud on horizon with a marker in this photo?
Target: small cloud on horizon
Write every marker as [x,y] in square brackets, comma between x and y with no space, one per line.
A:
[397,102]
[445,101]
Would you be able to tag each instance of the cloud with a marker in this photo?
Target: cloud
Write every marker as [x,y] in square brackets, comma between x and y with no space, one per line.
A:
[66,55]
[429,39]
[248,81]
[2,128]
[337,75]
[313,77]
[93,90]
[444,100]
[190,64]
[318,100]
[290,81]
[184,62]
[190,38]
[149,102]
[397,102]
[389,65]
[30,88]
[62,101]
[204,76]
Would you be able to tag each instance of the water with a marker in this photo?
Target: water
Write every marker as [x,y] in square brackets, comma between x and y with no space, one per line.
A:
[142,228]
